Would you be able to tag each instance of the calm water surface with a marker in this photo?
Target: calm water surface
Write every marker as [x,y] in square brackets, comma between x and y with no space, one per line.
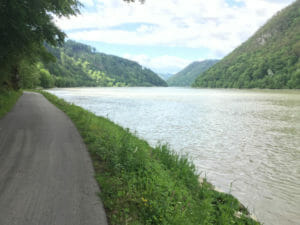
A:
[244,142]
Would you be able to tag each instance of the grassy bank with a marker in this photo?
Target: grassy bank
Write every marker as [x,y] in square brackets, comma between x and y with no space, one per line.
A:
[141,185]
[8,99]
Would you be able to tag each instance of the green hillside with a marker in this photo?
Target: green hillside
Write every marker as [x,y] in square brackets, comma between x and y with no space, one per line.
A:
[187,76]
[80,65]
[269,59]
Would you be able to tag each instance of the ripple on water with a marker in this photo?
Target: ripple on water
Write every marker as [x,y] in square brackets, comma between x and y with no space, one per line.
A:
[245,142]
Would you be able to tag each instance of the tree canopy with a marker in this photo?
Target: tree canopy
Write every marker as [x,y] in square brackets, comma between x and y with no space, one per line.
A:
[25,26]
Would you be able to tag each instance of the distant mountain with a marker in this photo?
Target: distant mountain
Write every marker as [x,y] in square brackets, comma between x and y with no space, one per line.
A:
[187,76]
[80,65]
[269,59]
[165,76]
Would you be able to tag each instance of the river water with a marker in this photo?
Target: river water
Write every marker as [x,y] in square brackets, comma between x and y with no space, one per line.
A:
[246,142]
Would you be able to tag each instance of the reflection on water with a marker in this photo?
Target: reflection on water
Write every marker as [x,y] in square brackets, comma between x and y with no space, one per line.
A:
[245,142]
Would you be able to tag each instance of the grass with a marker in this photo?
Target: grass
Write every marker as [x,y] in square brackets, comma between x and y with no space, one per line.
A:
[8,99]
[141,185]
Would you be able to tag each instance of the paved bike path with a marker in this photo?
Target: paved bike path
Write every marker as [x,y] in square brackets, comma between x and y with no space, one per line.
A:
[46,175]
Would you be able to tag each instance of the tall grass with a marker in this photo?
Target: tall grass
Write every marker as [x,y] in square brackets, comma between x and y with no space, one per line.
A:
[8,98]
[141,185]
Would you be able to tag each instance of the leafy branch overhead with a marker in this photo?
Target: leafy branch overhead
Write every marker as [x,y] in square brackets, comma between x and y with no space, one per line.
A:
[25,26]
[28,23]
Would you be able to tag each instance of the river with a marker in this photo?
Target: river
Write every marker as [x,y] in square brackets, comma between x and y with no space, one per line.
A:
[246,142]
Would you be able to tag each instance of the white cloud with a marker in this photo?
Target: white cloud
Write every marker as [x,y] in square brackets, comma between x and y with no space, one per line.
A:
[162,64]
[215,25]
[211,24]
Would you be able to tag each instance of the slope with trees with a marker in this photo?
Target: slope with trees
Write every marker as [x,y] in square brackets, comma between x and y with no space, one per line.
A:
[78,64]
[269,59]
[187,76]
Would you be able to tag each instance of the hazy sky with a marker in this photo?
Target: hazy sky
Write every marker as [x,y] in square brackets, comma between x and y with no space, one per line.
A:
[167,35]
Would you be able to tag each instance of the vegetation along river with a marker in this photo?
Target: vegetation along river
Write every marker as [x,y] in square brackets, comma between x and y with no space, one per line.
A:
[246,142]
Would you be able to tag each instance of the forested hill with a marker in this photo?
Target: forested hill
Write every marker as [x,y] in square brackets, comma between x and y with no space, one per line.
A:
[187,76]
[269,59]
[80,65]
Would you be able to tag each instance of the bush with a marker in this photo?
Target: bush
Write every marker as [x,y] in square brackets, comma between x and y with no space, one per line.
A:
[47,81]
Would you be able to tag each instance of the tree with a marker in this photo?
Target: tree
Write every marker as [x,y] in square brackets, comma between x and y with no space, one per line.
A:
[29,75]
[46,79]
[25,26]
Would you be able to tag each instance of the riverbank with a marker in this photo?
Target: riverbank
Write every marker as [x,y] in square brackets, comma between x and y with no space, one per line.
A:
[8,99]
[144,185]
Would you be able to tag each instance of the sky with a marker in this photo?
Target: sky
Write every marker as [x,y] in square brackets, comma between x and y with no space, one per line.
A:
[167,35]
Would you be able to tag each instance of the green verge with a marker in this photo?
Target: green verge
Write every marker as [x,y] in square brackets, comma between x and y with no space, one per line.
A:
[8,99]
[141,185]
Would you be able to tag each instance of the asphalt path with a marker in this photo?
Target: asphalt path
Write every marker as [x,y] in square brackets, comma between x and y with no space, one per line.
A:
[46,174]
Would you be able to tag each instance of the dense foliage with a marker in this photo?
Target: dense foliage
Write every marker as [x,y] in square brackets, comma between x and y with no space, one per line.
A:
[80,65]
[141,185]
[269,59]
[25,26]
[187,76]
